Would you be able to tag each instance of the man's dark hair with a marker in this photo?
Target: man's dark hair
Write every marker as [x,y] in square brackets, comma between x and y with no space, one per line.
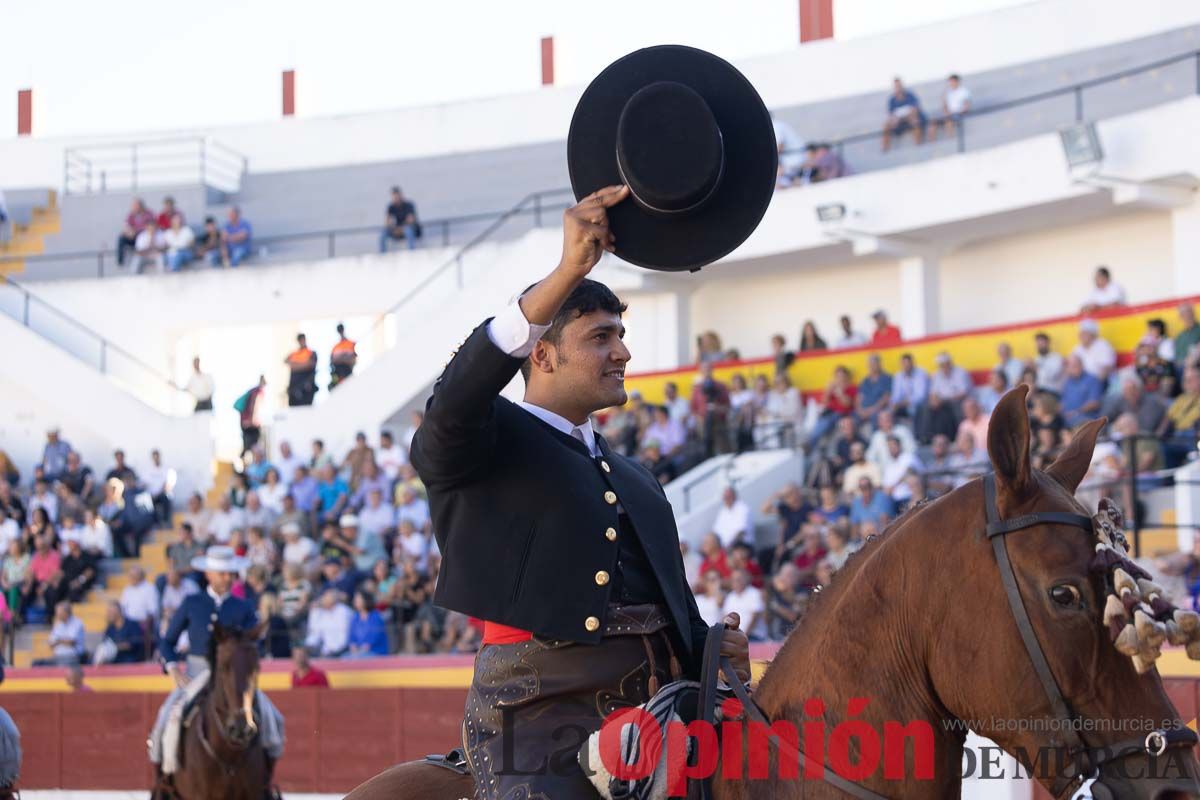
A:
[954,76]
[210,221]
[395,190]
[1042,335]
[187,527]
[1159,326]
[587,297]
[1103,271]
[319,442]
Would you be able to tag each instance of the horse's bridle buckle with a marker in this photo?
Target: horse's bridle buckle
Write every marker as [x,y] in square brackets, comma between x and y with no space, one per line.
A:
[1156,743]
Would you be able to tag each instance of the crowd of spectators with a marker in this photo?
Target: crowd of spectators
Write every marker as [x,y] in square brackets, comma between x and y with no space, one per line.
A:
[166,242]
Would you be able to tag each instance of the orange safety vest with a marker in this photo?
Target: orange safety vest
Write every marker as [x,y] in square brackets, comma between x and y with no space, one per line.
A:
[343,346]
[300,357]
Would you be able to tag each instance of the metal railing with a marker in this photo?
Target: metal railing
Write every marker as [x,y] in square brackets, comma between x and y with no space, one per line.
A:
[130,166]
[78,340]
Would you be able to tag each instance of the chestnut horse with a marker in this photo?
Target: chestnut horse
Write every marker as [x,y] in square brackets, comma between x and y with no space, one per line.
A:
[222,755]
[920,624]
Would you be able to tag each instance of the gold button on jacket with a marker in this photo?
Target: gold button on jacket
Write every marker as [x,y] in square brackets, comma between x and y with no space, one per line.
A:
[601,578]
[611,534]
[610,498]
[592,624]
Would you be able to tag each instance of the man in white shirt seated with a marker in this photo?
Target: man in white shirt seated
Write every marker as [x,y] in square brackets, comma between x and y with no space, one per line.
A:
[877,448]
[1097,355]
[668,433]
[414,509]
[895,469]
[849,336]
[1104,294]
[66,638]
[710,601]
[178,240]
[139,600]
[329,626]
[747,602]
[956,102]
[287,462]
[149,247]
[297,549]
[159,481]
[377,517]
[389,456]
[227,518]
[97,536]
[733,523]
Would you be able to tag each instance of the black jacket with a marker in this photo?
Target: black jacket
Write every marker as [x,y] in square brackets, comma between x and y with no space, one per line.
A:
[521,515]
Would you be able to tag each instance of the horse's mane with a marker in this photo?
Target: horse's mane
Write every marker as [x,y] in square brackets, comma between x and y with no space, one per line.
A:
[827,596]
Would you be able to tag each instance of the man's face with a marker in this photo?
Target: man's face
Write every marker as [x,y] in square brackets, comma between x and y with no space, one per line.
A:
[62,612]
[873,365]
[1086,337]
[300,659]
[893,447]
[1131,392]
[156,458]
[1074,366]
[828,496]
[1191,382]
[316,449]
[233,215]
[1004,351]
[897,88]
[194,504]
[845,321]
[1187,315]
[857,452]
[671,391]
[846,427]
[397,197]
[864,487]
[72,461]
[588,363]
[1101,279]
[953,83]
[252,501]
[728,497]
[219,581]
[119,457]
[906,363]
[1043,345]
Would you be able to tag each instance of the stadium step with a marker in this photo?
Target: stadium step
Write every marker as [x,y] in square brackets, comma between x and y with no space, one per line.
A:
[29,238]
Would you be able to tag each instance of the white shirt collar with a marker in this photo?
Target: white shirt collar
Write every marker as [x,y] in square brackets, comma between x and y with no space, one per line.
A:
[564,425]
[220,598]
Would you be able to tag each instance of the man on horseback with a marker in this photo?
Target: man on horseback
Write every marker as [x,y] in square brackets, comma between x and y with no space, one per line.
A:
[567,549]
[196,617]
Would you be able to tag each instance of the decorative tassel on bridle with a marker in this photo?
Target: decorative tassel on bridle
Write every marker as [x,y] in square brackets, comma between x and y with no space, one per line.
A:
[1137,613]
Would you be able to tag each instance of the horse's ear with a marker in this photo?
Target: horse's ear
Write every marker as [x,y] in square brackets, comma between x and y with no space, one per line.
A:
[1008,443]
[1073,463]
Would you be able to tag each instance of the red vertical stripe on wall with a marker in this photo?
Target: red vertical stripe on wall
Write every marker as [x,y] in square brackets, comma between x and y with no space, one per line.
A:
[547,61]
[24,112]
[816,20]
[289,92]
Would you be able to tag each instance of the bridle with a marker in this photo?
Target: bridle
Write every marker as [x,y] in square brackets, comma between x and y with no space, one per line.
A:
[1089,759]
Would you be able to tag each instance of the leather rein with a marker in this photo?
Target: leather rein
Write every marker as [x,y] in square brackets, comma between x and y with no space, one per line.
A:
[1090,759]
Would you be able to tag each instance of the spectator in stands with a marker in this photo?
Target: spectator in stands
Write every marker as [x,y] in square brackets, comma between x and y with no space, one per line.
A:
[368,634]
[124,639]
[304,674]
[828,163]
[841,547]
[1051,369]
[122,471]
[298,550]
[874,391]
[948,386]
[400,222]
[974,422]
[710,407]
[1097,354]
[784,409]
[250,413]
[159,482]
[810,340]
[667,433]
[75,576]
[200,387]
[390,456]
[333,494]
[54,456]
[97,537]
[43,567]
[260,550]
[277,640]
[910,389]
[859,468]
[746,600]
[782,357]
[967,461]
[938,467]
[792,511]
[225,520]
[990,393]
[287,461]
[302,365]
[168,213]
[897,467]
[710,598]
[342,359]
[139,599]
[1105,293]
[849,337]
[235,239]
[44,499]
[885,334]
[733,523]
[1188,338]
[1156,335]
[329,625]
[679,407]
[256,515]
[137,220]
[956,102]
[14,574]
[149,247]
[368,543]
[811,553]
[790,147]
[66,637]
[904,113]
[356,460]
[1181,426]
[1082,393]
[708,348]
[1156,374]
[839,400]
[829,470]
[208,246]
[1147,408]
[784,604]
[198,517]
[1010,365]
[179,241]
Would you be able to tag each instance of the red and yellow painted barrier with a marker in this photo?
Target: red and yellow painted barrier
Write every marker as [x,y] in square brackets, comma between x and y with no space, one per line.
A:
[973,350]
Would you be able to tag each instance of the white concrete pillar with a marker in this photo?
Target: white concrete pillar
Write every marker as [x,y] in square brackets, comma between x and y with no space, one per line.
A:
[920,286]
[1185,239]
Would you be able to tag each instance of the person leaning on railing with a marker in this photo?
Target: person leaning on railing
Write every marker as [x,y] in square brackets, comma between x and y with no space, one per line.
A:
[1181,425]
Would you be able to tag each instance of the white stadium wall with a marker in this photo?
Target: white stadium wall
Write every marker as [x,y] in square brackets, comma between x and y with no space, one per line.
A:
[834,68]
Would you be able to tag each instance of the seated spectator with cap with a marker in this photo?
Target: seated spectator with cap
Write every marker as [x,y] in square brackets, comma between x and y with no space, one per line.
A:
[1082,394]
[1097,355]
[329,625]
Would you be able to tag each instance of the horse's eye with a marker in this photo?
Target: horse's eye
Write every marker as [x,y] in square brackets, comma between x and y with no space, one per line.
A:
[1065,595]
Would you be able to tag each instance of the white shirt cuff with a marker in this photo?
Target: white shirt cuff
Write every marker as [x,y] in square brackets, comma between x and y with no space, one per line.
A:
[512,333]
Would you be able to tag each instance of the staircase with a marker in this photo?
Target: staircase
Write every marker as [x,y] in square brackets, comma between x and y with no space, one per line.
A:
[28,237]
[33,641]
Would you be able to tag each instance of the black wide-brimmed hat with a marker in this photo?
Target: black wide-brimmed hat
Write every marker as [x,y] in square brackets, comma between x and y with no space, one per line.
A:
[694,142]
